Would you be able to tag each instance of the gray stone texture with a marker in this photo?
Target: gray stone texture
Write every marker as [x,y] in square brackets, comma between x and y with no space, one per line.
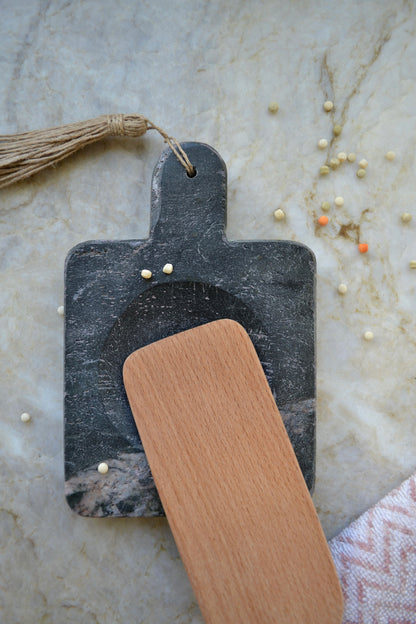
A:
[110,311]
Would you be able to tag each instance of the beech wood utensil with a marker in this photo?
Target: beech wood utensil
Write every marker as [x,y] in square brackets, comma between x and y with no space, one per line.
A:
[229,481]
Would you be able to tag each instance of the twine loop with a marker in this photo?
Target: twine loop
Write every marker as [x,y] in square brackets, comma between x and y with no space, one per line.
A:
[176,148]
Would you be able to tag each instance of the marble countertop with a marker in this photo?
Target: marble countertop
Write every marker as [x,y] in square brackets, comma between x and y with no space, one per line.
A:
[205,71]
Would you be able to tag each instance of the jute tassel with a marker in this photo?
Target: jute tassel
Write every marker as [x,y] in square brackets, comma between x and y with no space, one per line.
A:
[22,155]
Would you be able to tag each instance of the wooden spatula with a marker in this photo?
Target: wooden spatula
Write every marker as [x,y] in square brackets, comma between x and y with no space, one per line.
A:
[229,481]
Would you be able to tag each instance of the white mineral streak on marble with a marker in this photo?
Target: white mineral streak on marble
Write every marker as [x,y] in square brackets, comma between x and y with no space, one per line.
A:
[207,72]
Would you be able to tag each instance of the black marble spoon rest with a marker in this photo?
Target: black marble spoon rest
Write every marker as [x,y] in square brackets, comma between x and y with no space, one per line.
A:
[110,311]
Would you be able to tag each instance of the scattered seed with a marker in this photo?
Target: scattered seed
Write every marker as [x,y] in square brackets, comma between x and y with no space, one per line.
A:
[406,217]
[363,164]
[323,220]
[351,157]
[60,310]
[322,143]
[342,157]
[342,289]
[334,163]
[146,274]
[273,107]
[368,335]
[325,206]
[363,247]
[25,417]
[324,170]
[328,106]
[339,201]
[102,468]
[337,129]
[361,173]
[391,155]
[279,214]
[412,264]
[168,268]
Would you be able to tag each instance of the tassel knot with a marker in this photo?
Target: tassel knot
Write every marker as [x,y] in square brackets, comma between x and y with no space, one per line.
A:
[133,125]
[115,125]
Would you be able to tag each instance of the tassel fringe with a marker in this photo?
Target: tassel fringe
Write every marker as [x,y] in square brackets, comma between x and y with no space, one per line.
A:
[23,155]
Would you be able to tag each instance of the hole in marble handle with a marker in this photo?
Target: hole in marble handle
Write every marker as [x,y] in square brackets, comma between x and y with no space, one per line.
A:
[193,173]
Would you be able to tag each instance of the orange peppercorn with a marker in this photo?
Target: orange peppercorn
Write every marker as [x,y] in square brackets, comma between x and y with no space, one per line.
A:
[363,247]
[323,220]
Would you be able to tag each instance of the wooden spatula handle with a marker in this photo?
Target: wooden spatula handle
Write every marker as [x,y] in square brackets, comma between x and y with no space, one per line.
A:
[229,481]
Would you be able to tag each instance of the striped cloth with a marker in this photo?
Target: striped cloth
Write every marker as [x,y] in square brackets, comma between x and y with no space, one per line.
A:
[376,561]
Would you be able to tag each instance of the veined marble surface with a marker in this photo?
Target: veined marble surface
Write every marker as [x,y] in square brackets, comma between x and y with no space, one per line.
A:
[205,71]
